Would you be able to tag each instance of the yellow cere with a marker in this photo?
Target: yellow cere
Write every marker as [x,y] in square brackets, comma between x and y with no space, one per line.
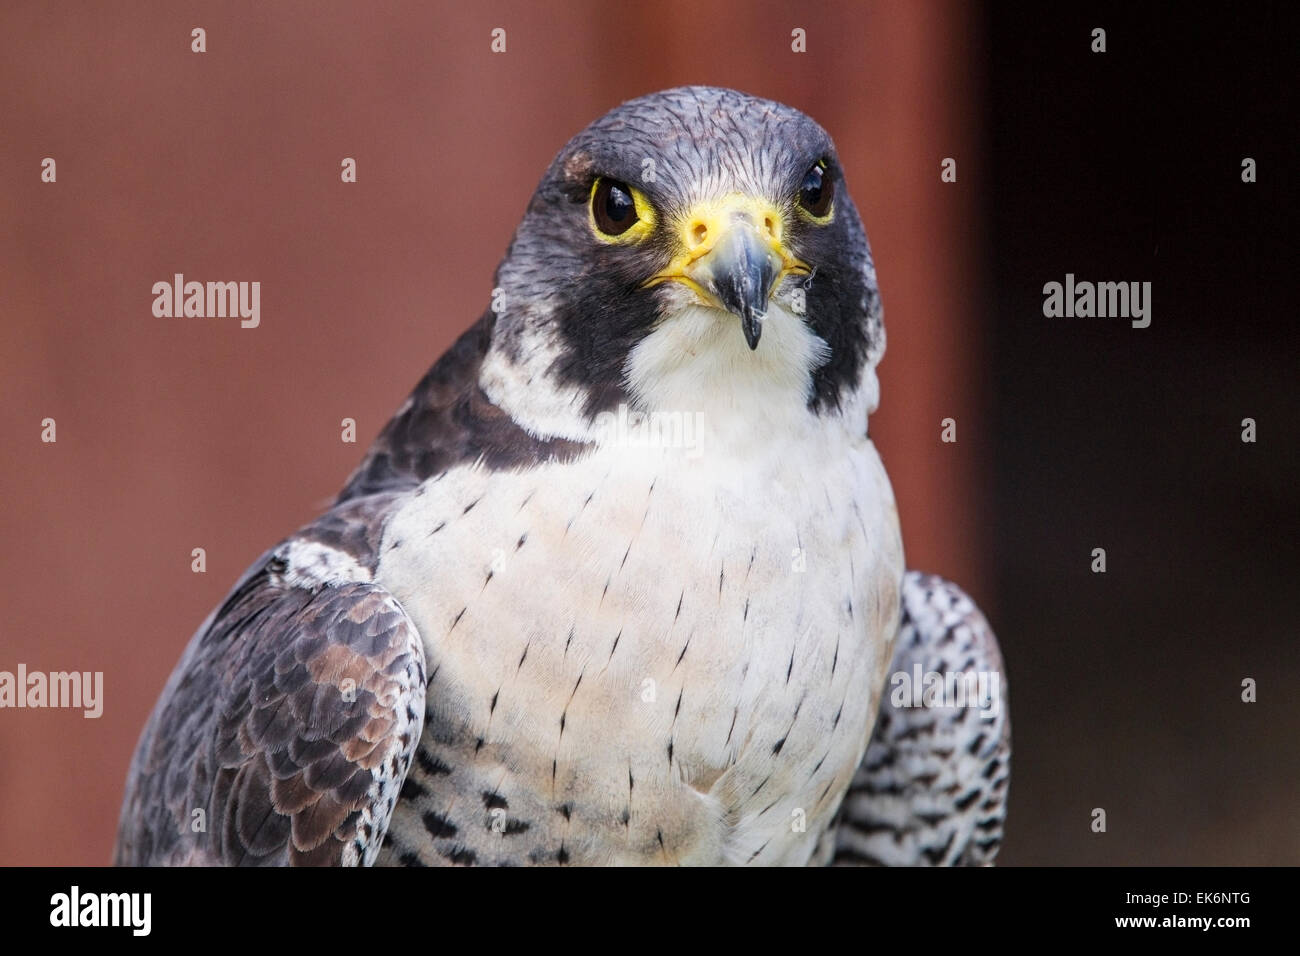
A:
[705,224]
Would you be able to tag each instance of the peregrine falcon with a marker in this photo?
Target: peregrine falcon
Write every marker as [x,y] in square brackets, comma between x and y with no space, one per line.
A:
[622,582]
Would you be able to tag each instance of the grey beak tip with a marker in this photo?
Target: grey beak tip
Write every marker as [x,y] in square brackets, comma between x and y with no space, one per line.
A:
[740,273]
[752,325]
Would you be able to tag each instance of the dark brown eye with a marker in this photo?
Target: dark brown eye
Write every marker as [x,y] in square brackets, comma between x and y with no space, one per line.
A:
[816,192]
[612,207]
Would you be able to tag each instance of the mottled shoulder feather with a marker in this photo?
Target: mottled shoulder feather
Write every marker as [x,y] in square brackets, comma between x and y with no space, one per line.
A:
[932,788]
[449,420]
[287,728]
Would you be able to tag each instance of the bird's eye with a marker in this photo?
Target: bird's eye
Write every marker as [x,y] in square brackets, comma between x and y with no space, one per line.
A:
[612,207]
[816,193]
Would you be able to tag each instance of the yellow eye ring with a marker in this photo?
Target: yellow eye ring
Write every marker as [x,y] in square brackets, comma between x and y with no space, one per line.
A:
[618,212]
[817,195]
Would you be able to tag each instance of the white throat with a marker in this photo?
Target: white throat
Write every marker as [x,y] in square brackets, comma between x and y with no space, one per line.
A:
[697,363]
[693,372]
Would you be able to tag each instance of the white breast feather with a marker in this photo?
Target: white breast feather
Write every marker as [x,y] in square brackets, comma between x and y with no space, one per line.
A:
[644,575]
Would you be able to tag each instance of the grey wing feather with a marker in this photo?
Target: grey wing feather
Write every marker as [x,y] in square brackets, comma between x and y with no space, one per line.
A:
[287,728]
[932,788]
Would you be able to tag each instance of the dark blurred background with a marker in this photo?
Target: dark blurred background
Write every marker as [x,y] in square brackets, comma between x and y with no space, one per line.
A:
[1072,433]
[1126,686]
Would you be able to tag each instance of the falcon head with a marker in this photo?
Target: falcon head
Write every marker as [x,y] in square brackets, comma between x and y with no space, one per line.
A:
[695,248]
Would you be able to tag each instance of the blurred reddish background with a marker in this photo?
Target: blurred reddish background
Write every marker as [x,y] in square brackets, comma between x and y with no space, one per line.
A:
[182,433]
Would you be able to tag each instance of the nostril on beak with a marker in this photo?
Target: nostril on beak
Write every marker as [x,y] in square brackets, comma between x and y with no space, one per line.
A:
[699,233]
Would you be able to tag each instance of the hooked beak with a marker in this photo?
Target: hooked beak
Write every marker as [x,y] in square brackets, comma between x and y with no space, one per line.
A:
[739,272]
[734,259]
